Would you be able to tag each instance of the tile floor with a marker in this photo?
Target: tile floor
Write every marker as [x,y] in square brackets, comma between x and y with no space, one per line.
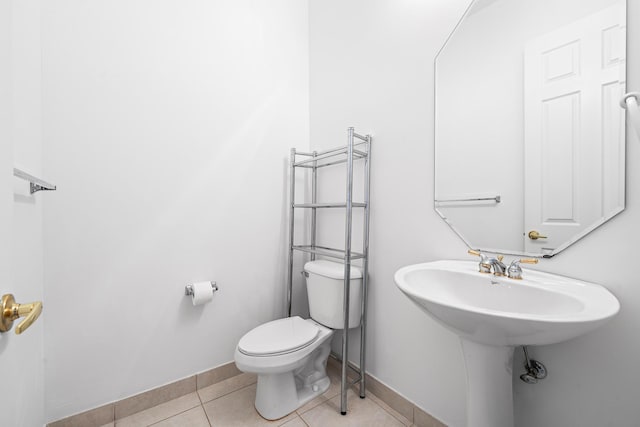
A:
[230,403]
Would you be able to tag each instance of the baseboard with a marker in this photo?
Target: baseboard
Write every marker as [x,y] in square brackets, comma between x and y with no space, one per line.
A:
[120,409]
[123,408]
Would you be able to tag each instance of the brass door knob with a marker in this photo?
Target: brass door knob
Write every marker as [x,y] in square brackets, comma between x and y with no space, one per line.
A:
[534,235]
[12,311]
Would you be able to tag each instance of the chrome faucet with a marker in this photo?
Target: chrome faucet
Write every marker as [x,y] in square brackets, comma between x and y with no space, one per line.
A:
[490,264]
[497,265]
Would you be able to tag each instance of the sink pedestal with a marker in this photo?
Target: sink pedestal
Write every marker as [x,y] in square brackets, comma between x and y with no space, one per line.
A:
[489,384]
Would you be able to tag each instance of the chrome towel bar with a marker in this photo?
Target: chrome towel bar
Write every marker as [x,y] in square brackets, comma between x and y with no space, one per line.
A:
[36,184]
[496,199]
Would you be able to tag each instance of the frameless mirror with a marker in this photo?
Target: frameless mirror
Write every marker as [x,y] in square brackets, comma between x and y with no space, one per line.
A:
[530,136]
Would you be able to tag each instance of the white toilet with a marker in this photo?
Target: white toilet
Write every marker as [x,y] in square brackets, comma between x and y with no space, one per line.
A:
[290,355]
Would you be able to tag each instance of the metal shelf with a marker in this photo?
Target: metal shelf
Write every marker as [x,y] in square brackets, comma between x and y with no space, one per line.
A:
[316,161]
[330,252]
[313,161]
[328,205]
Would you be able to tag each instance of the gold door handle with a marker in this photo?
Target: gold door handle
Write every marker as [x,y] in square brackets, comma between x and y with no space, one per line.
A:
[534,235]
[12,311]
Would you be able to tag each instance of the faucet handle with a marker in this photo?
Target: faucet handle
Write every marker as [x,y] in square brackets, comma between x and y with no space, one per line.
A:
[514,271]
[484,266]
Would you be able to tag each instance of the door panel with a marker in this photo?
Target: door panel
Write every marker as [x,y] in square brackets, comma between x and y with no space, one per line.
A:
[21,356]
[574,167]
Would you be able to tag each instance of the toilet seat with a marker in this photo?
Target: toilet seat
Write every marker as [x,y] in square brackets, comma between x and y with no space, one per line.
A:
[279,337]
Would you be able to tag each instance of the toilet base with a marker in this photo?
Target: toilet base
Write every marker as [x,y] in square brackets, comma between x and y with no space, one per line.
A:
[278,395]
[272,406]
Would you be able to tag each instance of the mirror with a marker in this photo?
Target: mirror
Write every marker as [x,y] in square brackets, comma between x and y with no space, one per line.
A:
[529,134]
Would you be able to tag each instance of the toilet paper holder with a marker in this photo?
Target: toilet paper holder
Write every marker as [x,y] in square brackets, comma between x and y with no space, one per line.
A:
[188,290]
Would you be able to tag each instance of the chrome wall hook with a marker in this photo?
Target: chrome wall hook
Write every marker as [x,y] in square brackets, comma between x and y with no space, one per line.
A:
[631,102]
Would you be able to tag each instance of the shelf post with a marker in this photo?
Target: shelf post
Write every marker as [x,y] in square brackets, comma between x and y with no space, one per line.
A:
[347,272]
[314,200]
[292,197]
[365,266]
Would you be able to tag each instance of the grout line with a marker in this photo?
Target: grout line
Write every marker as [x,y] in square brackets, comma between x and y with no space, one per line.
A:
[226,394]
[174,415]
[314,406]
[300,418]
[199,398]
[164,419]
[206,415]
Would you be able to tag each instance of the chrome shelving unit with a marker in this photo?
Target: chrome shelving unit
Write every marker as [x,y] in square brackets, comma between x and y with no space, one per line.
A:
[314,161]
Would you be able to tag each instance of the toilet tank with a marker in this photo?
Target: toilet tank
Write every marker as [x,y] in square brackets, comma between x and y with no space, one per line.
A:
[325,289]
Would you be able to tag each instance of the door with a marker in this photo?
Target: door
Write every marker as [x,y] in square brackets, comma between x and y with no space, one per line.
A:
[574,129]
[21,364]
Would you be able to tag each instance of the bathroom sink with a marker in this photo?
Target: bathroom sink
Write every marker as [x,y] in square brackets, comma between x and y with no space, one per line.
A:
[540,309]
[492,315]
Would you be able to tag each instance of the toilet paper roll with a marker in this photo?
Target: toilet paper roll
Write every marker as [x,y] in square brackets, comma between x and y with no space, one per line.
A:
[202,293]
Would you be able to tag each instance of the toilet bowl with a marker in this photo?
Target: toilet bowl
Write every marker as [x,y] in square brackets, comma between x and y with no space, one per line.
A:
[290,355]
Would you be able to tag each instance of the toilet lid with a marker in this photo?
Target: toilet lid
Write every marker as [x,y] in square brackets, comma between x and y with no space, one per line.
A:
[278,337]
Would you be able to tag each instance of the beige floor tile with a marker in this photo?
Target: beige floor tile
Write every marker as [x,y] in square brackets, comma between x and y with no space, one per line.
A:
[226,386]
[160,412]
[193,418]
[154,397]
[361,412]
[397,415]
[237,409]
[296,422]
[311,404]
[109,425]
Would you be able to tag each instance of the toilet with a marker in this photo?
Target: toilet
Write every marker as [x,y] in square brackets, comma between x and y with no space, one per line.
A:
[290,355]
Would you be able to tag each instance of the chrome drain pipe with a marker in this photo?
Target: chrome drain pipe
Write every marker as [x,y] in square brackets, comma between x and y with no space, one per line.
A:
[535,370]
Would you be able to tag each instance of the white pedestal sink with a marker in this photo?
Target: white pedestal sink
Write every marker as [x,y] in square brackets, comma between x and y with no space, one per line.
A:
[492,315]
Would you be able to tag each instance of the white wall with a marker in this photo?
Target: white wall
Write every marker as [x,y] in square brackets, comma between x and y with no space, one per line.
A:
[144,111]
[22,276]
[371,66]
[168,126]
